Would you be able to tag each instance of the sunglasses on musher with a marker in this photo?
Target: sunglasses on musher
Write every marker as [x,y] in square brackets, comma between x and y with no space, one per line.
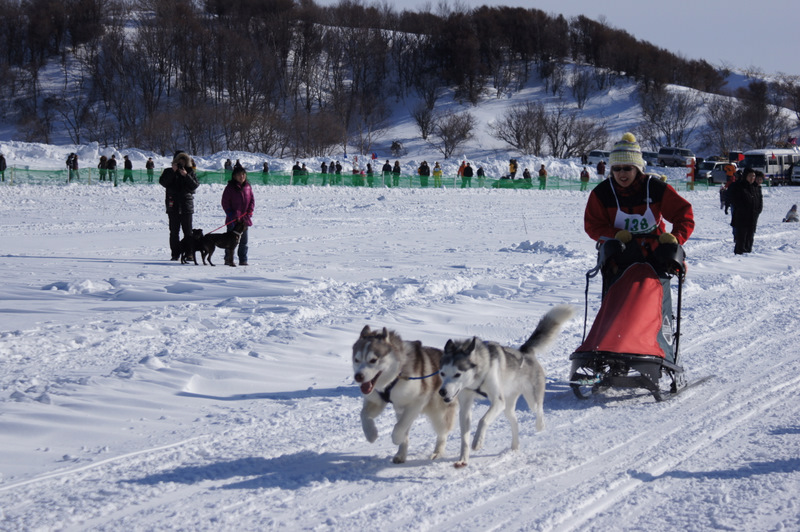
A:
[622,169]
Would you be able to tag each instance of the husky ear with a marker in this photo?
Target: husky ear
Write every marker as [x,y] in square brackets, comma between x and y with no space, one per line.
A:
[385,333]
[448,347]
[471,346]
[365,331]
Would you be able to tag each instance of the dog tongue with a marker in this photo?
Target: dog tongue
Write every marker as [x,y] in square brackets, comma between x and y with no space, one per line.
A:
[367,387]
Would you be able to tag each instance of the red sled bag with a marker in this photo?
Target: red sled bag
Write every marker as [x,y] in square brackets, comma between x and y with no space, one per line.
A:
[632,342]
[631,318]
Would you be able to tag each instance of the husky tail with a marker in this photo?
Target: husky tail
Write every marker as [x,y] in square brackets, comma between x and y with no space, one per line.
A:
[548,328]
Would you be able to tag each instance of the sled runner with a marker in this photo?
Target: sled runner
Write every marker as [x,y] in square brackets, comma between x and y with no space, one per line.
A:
[632,342]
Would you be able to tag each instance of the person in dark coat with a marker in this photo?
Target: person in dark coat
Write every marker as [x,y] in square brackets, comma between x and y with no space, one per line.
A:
[111,165]
[584,179]
[396,174]
[127,174]
[466,177]
[424,172]
[238,204]
[746,205]
[2,167]
[102,167]
[386,172]
[601,169]
[72,165]
[180,183]
[481,176]
[150,166]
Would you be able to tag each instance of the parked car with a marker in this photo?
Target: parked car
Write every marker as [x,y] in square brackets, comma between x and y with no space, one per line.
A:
[595,156]
[674,156]
[706,168]
[650,157]
[795,176]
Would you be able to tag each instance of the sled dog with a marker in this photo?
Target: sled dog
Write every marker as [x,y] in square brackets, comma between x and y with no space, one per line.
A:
[226,241]
[190,245]
[406,374]
[501,374]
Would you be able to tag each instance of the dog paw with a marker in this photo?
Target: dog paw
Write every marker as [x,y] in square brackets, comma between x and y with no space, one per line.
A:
[460,464]
[477,444]
[399,459]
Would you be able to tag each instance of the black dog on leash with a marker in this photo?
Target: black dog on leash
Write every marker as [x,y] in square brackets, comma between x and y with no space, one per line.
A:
[226,241]
[190,245]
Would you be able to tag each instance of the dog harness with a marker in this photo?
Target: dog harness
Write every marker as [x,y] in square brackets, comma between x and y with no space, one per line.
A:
[386,394]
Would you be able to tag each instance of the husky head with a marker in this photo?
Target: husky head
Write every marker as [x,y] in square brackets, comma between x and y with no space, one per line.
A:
[374,354]
[458,368]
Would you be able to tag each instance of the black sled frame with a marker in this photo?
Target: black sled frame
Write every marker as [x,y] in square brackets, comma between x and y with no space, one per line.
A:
[596,371]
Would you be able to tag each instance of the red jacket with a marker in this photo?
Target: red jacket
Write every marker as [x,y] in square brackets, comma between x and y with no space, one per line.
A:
[665,203]
[238,201]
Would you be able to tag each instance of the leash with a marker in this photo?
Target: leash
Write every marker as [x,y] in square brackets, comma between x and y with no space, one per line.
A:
[229,223]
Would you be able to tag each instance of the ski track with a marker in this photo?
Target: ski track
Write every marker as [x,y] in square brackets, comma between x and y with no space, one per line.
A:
[275,462]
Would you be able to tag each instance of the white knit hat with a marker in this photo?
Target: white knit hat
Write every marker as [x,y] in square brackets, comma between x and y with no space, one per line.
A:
[627,152]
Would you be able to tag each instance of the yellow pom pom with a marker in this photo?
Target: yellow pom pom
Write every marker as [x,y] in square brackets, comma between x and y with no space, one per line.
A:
[667,238]
[628,137]
[624,236]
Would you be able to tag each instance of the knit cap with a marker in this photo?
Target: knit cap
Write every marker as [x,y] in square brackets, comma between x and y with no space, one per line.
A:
[627,152]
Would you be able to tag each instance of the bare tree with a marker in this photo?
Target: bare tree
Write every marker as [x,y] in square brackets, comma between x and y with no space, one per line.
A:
[370,122]
[789,92]
[453,130]
[423,116]
[765,123]
[670,116]
[569,135]
[723,132]
[580,85]
[522,128]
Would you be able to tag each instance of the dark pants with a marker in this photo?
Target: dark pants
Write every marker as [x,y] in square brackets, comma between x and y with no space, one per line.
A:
[177,222]
[743,239]
[242,253]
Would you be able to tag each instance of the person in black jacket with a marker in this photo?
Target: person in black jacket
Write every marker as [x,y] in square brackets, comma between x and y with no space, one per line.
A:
[466,177]
[180,183]
[127,174]
[746,204]
[150,166]
[111,165]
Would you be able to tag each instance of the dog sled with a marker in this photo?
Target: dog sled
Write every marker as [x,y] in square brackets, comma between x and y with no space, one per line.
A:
[635,339]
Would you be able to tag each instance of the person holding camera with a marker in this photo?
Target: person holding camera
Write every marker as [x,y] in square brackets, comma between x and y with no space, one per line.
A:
[180,183]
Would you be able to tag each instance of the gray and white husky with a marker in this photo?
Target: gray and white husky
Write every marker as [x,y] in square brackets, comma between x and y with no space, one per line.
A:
[406,374]
[501,374]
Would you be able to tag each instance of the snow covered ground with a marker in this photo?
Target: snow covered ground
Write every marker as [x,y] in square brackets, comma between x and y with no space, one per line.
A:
[139,394]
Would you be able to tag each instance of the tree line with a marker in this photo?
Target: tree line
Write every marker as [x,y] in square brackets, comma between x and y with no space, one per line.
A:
[290,78]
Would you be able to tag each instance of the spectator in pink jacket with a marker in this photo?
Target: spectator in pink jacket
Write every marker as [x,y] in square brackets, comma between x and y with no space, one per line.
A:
[238,204]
